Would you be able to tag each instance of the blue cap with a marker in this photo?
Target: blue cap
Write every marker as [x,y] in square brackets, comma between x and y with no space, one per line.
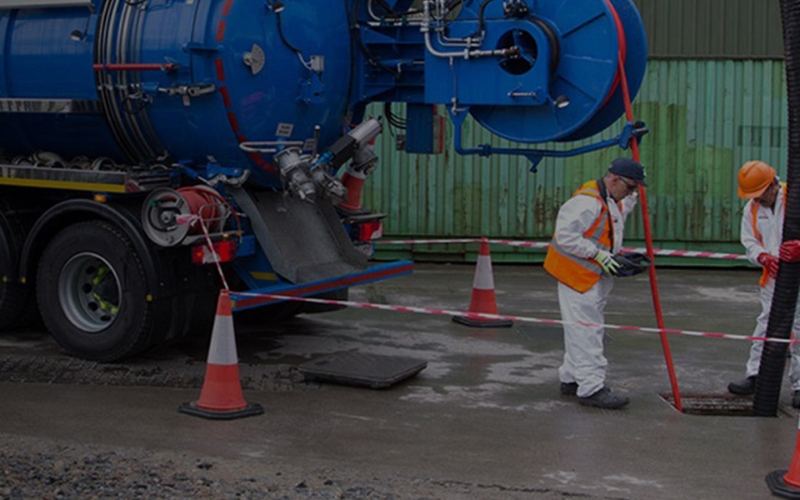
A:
[631,169]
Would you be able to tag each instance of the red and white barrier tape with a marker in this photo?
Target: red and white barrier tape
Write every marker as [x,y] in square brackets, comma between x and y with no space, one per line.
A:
[421,242]
[193,219]
[689,253]
[521,319]
[542,244]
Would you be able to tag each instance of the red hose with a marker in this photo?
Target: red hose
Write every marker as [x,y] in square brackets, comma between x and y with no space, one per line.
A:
[204,205]
[646,218]
[623,50]
[207,204]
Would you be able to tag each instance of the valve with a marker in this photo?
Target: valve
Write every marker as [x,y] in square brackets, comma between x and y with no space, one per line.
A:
[295,173]
[330,187]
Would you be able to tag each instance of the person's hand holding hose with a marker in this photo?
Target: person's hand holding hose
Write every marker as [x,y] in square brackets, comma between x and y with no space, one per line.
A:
[770,263]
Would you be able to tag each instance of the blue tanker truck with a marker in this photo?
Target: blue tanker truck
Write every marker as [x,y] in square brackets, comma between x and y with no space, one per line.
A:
[146,143]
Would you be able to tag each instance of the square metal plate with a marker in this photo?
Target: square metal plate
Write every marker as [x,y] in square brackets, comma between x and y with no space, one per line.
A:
[366,370]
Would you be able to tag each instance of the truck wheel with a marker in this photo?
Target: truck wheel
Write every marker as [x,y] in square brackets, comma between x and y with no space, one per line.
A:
[92,291]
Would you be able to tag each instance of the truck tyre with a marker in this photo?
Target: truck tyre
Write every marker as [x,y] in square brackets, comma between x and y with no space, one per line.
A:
[92,293]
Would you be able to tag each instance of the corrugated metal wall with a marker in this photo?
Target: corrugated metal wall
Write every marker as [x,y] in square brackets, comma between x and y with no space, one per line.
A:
[706,118]
[722,29]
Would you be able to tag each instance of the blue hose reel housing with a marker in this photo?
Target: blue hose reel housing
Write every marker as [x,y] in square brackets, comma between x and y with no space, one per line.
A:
[561,84]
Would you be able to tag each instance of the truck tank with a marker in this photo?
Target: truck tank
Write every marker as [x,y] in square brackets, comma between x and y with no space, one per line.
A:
[132,120]
[137,81]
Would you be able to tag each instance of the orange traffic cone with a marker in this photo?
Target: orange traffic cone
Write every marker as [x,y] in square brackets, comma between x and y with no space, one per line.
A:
[221,397]
[784,483]
[483,299]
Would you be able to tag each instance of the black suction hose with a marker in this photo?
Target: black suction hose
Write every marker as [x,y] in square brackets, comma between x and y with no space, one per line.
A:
[781,317]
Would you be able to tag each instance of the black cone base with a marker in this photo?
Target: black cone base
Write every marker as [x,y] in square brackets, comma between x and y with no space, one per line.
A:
[482,323]
[251,410]
[777,485]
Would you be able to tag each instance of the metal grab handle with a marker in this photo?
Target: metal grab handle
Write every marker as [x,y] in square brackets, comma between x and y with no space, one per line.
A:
[267,146]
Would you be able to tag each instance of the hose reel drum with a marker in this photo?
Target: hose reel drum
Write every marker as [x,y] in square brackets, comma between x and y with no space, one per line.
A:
[170,216]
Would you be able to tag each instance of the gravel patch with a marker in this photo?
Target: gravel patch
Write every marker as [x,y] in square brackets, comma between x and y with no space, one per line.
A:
[144,373]
[31,468]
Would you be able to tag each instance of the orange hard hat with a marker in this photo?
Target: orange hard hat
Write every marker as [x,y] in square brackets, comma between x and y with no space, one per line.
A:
[755,177]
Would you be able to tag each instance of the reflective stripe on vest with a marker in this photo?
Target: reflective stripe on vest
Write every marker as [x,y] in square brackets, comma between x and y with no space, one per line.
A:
[576,272]
[754,216]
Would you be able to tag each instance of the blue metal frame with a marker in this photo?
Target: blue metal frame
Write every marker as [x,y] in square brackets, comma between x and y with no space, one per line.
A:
[379,272]
[630,131]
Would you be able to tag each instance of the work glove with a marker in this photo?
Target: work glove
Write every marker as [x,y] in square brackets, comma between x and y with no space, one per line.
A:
[790,251]
[607,262]
[770,263]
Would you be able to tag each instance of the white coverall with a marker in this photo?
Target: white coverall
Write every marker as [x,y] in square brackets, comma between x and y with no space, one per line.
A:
[584,361]
[770,225]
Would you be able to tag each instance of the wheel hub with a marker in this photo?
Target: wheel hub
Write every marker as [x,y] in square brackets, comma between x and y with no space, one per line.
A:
[89,292]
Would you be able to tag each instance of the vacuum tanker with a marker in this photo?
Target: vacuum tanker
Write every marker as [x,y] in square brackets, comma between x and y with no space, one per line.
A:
[152,151]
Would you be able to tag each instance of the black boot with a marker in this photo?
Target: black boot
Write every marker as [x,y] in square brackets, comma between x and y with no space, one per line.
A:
[569,388]
[744,387]
[604,399]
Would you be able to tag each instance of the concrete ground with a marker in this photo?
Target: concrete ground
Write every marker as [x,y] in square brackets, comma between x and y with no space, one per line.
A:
[484,420]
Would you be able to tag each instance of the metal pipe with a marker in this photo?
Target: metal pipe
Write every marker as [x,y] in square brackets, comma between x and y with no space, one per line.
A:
[784,301]
[134,66]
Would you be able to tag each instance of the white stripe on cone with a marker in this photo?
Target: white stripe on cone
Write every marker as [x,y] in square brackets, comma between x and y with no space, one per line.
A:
[223,341]
[483,299]
[483,274]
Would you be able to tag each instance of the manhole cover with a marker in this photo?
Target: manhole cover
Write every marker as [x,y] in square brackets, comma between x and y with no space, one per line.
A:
[369,370]
[716,404]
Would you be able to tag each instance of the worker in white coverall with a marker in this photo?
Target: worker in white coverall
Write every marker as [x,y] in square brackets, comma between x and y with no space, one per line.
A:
[589,231]
[761,235]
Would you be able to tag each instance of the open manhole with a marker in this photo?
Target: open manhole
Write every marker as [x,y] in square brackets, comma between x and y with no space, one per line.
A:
[725,405]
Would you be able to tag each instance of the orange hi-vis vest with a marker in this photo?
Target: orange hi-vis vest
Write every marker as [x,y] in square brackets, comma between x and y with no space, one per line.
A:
[754,216]
[576,272]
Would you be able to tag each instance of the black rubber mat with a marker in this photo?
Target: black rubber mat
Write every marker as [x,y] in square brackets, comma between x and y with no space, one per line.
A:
[366,370]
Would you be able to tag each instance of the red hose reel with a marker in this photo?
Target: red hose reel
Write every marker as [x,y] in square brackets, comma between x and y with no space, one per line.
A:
[174,217]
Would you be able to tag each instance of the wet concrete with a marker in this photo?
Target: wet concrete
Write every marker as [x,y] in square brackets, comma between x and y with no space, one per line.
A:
[483,420]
